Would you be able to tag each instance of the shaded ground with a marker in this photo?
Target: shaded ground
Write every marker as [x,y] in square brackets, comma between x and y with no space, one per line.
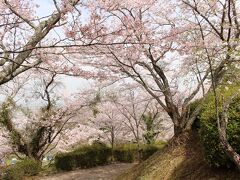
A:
[107,172]
[181,159]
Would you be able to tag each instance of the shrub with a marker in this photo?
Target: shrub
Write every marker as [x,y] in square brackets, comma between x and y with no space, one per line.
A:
[13,173]
[209,133]
[65,161]
[99,154]
[29,166]
[26,167]
[90,156]
[147,151]
[129,152]
[98,143]
[83,157]
[125,153]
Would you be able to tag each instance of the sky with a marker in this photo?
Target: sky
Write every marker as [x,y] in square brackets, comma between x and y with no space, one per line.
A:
[45,7]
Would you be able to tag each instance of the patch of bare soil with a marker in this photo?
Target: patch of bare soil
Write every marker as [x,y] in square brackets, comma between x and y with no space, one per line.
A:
[107,172]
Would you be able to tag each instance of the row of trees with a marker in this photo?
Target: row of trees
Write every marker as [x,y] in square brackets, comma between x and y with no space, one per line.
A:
[129,115]
[37,131]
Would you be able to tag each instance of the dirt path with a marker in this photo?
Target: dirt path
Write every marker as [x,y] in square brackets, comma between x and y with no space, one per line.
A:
[98,173]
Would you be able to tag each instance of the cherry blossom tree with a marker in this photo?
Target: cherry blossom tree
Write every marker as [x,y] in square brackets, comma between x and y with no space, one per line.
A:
[29,41]
[128,107]
[166,47]
[184,34]
[110,123]
[120,115]
[36,132]
[133,108]
[22,34]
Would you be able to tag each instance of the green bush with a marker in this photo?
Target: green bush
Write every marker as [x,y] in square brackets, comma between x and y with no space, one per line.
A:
[99,154]
[147,151]
[13,173]
[29,166]
[65,161]
[26,167]
[209,132]
[83,157]
[90,156]
[125,153]
[129,152]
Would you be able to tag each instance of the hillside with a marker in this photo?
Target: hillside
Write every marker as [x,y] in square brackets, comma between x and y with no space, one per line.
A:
[181,159]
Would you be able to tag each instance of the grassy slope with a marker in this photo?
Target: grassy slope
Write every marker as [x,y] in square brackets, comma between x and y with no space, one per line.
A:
[181,159]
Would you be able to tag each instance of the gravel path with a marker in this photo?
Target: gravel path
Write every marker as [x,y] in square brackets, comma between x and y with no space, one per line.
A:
[107,172]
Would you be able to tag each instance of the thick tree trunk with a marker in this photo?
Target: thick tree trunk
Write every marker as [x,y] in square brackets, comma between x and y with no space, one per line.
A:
[181,124]
[178,130]
[184,121]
